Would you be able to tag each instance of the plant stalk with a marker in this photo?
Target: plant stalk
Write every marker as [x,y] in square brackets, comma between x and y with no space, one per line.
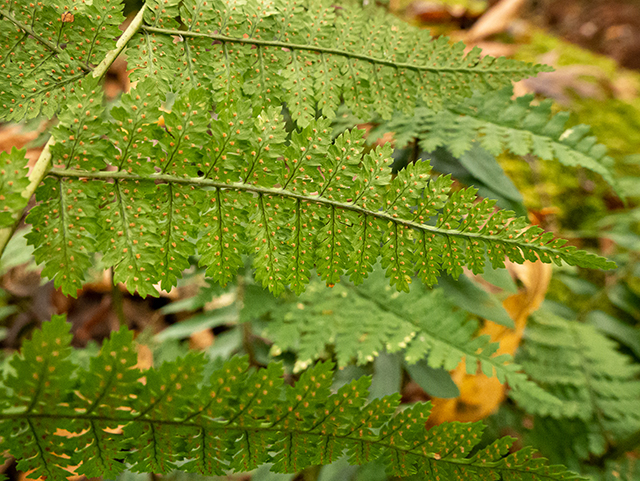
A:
[38,172]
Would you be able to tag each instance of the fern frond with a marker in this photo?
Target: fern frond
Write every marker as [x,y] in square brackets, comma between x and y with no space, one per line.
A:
[13,181]
[47,48]
[105,417]
[365,320]
[498,124]
[309,55]
[294,204]
[361,322]
[597,384]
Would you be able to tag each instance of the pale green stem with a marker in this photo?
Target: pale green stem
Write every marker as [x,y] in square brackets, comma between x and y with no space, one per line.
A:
[43,164]
[38,172]
[111,56]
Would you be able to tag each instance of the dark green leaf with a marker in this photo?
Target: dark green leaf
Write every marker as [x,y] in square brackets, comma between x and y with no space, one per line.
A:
[435,382]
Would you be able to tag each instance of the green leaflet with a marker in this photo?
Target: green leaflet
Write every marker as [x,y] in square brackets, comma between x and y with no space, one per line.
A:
[64,230]
[48,48]
[44,362]
[499,123]
[597,384]
[130,235]
[236,419]
[13,181]
[293,203]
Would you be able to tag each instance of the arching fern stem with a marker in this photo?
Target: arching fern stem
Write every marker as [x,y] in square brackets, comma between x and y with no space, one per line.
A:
[43,164]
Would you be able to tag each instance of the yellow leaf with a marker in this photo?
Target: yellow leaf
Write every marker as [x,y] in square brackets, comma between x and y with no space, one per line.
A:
[481,395]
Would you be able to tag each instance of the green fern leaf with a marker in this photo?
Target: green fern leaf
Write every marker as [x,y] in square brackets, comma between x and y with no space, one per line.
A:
[498,124]
[40,379]
[282,51]
[48,48]
[150,53]
[103,394]
[308,56]
[135,115]
[235,420]
[179,210]
[78,142]
[312,203]
[421,324]
[597,384]
[130,238]
[185,133]
[64,229]
[12,182]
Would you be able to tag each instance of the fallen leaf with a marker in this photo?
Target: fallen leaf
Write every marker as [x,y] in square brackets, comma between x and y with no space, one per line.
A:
[481,395]
[201,340]
[495,20]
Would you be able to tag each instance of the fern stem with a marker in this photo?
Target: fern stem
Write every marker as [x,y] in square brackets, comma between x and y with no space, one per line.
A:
[38,173]
[241,187]
[111,56]
[335,51]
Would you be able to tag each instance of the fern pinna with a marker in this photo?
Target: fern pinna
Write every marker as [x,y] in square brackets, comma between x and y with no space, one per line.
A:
[96,420]
[422,326]
[498,123]
[311,203]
